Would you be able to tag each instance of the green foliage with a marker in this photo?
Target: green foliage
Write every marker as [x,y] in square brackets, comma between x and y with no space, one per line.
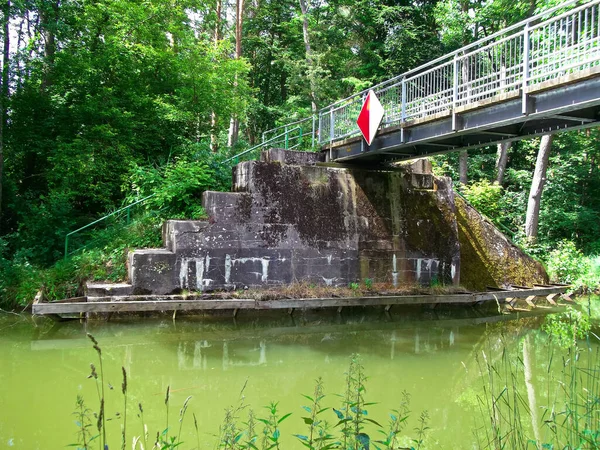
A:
[271,432]
[103,260]
[318,436]
[567,264]
[485,197]
[397,422]
[177,188]
[567,327]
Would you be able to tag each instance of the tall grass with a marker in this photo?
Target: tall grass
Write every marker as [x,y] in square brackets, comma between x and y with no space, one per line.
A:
[351,432]
[562,412]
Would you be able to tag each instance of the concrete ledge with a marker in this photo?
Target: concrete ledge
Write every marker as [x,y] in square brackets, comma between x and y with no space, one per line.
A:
[292,157]
[190,303]
[106,289]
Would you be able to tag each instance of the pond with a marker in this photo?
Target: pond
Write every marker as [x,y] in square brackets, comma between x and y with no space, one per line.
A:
[434,355]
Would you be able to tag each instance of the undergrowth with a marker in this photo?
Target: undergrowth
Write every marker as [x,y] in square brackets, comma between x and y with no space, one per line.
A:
[103,260]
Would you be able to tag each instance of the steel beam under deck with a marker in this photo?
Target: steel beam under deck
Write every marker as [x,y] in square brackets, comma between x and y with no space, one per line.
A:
[559,108]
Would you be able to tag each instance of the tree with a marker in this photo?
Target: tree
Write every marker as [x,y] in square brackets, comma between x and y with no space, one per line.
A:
[537,187]
[4,79]
[501,160]
[309,58]
[234,126]
[463,163]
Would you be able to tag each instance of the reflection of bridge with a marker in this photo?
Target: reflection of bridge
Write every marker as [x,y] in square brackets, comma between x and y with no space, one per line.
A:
[536,77]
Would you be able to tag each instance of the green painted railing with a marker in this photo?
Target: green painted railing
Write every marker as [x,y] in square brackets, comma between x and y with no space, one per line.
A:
[127,210]
[284,138]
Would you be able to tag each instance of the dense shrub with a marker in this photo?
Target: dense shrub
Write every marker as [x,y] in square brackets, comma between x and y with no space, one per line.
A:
[567,264]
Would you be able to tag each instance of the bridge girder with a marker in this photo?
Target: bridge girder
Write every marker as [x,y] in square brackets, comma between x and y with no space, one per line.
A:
[570,105]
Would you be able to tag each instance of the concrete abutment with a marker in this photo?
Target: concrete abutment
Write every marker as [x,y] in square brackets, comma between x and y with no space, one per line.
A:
[290,219]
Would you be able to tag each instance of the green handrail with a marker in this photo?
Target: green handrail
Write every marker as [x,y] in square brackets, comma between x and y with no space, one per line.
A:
[284,135]
[125,208]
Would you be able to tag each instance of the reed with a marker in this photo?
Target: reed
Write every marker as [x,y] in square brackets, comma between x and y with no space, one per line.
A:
[124,391]
[101,423]
[570,413]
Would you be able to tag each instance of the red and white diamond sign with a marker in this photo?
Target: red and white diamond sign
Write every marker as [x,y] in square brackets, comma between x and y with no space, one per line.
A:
[370,117]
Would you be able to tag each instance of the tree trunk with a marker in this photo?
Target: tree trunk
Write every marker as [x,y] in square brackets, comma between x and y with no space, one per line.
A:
[48,24]
[213,117]
[501,159]
[463,158]
[234,124]
[4,90]
[308,54]
[537,186]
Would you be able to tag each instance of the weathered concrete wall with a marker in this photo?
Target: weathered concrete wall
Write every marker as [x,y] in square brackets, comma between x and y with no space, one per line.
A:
[488,258]
[291,220]
[285,223]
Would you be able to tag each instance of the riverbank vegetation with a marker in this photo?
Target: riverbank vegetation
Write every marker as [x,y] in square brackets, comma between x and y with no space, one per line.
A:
[104,103]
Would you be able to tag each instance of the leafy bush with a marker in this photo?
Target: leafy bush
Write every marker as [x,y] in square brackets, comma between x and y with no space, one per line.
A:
[567,264]
[178,186]
[485,197]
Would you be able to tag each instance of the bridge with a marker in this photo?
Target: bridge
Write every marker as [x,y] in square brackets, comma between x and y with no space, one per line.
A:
[536,77]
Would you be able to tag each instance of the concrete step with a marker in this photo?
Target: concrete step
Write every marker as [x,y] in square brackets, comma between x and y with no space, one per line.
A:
[108,289]
[181,235]
[154,268]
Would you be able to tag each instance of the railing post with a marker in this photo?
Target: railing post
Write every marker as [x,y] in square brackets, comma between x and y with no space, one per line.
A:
[454,91]
[66,246]
[403,114]
[312,143]
[331,126]
[403,111]
[128,215]
[526,59]
[285,130]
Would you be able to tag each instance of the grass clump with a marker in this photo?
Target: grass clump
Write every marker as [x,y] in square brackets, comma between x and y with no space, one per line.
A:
[561,410]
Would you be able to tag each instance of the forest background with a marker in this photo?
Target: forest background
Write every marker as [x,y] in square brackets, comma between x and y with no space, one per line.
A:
[104,102]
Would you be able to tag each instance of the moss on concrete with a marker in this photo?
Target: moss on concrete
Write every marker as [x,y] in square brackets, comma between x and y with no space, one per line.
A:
[488,258]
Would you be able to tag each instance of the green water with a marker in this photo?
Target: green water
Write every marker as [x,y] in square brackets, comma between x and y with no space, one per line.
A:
[431,354]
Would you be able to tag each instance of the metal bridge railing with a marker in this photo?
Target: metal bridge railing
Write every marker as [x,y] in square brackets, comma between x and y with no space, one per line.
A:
[558,42]
[285,140]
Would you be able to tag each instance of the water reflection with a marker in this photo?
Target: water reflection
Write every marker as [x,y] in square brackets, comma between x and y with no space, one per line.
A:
[429,353]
